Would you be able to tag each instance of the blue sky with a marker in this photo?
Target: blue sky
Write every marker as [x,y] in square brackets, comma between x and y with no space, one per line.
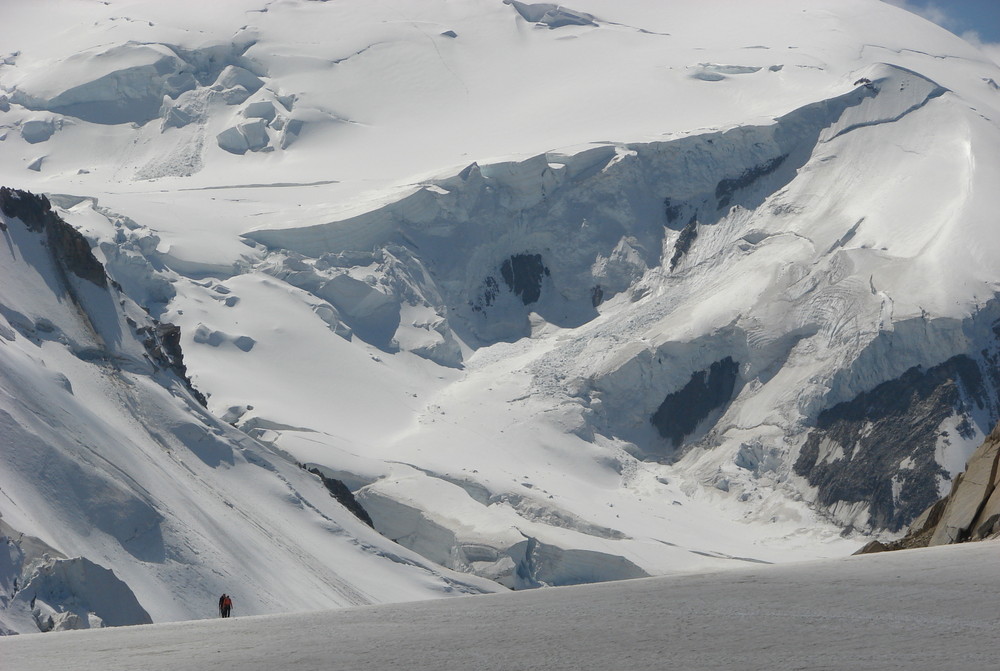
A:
[975,20]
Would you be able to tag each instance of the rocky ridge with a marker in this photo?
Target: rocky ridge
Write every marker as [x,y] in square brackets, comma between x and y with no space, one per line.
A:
[71,254]
[970,512]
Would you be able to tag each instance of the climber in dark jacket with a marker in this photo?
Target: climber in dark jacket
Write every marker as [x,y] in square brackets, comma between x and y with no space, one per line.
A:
[225,605]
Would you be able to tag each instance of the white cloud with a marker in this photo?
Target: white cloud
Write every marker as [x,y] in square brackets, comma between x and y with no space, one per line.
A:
[991,49]
[936,14]
[929,11]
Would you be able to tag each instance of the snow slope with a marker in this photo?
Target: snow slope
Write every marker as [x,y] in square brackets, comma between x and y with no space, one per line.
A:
[564,295]
[109,458]
[899,610]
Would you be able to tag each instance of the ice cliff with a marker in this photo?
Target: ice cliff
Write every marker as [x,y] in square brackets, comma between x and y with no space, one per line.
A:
[709,298]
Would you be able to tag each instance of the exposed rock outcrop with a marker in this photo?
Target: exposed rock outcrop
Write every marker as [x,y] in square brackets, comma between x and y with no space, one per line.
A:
[72,255]
[523,275]
[339,491]
[879,448]
[682,411]
[684,241]
[70,249]
[163,343]
[971,512]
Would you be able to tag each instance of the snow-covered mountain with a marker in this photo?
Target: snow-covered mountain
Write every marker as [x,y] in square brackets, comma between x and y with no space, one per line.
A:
[124,499]
[562,293]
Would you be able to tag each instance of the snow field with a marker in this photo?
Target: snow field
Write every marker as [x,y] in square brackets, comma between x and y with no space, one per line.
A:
[897,610]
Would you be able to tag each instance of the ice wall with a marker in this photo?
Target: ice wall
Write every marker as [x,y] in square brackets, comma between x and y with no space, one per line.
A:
[713,292]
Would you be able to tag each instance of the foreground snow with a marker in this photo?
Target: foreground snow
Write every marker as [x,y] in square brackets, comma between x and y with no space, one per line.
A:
[922,609]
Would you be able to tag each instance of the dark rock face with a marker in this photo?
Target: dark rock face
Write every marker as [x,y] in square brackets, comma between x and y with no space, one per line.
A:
[34,211]
[879,448]
[68,246]
[970,512]
[72,254]
[673,211]
[727,187]
[339,491]
[918,536]
[523,275]
[163,343]
[872,547]
[682,411]
[491,289]
[684,241]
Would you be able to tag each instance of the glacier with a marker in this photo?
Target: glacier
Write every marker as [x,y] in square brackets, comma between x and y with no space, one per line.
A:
[562,294]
